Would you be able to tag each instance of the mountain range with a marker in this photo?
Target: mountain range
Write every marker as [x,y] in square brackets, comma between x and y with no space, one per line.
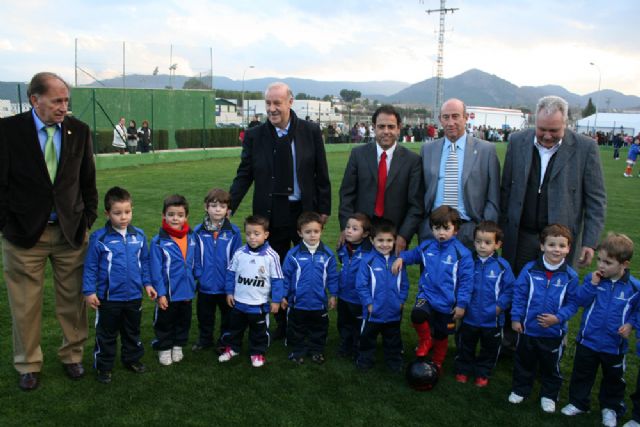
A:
[474,87]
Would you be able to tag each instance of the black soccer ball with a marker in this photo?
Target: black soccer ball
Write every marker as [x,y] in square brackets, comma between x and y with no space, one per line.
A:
[422,375]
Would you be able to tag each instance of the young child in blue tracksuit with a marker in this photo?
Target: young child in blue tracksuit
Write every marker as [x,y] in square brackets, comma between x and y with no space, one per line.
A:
[544,299]
[382,294]
[445,286]
[356,246]
[610,298]
[220,240]
[254,275]
[175,266]
[632,156]
[116,269]
[309,271]
[484,318]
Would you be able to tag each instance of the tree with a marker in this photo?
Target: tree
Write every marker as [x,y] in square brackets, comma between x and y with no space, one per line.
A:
[302,95]
[589,109]
[349,95]
[327,98]
[195,83]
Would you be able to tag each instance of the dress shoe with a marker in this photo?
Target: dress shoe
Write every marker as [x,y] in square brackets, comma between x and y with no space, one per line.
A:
[29,381]
[75,371]
[137,367]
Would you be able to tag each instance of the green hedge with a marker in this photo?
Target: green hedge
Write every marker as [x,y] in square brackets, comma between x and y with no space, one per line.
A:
[104,138]
[208,138]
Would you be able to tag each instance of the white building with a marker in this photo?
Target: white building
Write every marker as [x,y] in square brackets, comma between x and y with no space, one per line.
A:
[5,108]
[226,112]
[496,117]
[628,123]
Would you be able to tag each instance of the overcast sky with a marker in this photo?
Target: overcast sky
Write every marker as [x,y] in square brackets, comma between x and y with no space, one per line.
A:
[529,43]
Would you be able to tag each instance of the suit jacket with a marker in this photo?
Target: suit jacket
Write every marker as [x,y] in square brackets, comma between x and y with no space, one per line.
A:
[27,195]
[577,196]
[403,191]
[480,183]
[256,166]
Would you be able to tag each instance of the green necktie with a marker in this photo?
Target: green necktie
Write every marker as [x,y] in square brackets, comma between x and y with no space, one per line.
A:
[50,157]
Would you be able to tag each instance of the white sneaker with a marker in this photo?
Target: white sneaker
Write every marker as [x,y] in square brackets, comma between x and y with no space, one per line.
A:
[609,418]
[627,175]
[257,360]
[548,405]
[515,398]
[631,423]
[176,354]
[227,355]
[571,410]
[164,357]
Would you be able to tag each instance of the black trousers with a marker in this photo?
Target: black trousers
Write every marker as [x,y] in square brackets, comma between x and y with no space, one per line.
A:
[349,324]
[258,331]
[307,331]
[206,313]
[467,338]
[612,385]
[113,318]
[391,344]
[172,325]
[532,354]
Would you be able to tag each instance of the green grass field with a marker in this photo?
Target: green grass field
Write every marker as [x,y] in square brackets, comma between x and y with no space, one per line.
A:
[200,391]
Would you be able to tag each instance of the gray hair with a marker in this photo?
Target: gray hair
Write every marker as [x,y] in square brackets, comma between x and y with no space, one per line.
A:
[552,104]
[39,84]
[279,84]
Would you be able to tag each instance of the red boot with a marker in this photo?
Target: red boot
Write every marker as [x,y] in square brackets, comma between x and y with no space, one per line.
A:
[424,338]
[440,348]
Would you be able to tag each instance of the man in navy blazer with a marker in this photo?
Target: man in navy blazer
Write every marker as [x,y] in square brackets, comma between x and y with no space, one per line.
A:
[48,201]
[551,175]
[479,173]
[403,188]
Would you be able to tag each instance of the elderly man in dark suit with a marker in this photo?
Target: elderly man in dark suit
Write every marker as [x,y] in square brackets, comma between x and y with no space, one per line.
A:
[285,160]
[460,171]
[48,201]
[384,179]
[551,175]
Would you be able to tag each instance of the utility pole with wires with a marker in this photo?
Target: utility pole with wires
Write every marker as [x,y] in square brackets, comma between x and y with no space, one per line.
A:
[439,83]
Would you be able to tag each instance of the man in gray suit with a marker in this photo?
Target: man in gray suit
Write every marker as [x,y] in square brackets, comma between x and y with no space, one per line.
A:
[367,187]
[460,171]
[551,175]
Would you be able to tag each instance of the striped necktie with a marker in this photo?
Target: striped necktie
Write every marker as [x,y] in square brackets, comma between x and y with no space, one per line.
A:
[50,156]
[450,196]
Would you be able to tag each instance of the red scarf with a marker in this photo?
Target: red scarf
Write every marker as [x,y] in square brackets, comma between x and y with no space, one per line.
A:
[179,234]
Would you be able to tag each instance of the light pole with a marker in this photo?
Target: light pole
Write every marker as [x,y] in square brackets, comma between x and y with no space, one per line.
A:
[242,108]
[595,119]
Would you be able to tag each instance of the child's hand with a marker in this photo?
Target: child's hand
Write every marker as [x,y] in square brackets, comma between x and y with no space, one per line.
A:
[231,302]
[163,303]
[151,292]
[517,327]
[596,277]
[546,320]
[275,307]
[332,302]
[284,304]
[625,330]
[458,313]
[370,308]
[498,310]
[93,301]
[397,266]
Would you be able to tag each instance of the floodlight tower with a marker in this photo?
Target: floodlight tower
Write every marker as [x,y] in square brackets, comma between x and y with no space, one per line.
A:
[439,83]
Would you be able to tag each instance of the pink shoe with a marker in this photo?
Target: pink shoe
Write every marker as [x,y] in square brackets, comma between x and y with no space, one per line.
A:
[257,360]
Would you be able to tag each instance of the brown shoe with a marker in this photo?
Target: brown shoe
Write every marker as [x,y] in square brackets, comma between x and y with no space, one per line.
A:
[75,371]
[29,381]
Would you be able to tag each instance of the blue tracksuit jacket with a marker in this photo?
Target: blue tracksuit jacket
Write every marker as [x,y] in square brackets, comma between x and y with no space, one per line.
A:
[307,277]
[492,286]
[116,267]
[215,255]
[173,276]
[447,280]
[534,294]
[350,265]
[607,307]
[378,286]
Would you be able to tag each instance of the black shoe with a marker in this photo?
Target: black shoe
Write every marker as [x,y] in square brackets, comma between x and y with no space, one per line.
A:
[136,367]
[104,377]
[199,347]
[318,358]
[297,360]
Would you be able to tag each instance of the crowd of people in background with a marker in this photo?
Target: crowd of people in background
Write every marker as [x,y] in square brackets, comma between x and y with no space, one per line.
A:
[133,138]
